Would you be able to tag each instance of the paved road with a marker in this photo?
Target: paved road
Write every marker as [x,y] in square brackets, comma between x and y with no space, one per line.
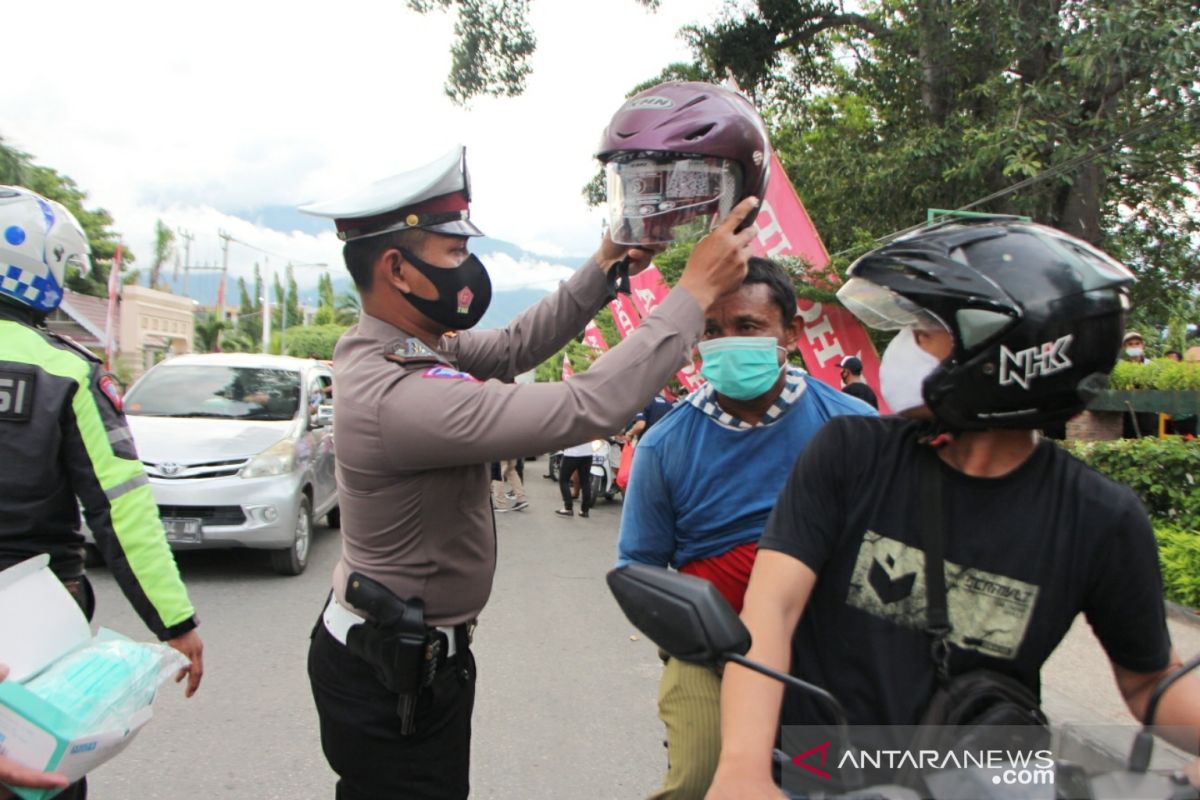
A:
[566,704]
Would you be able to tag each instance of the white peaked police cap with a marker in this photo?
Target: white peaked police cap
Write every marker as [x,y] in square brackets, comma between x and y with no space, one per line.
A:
[434,197]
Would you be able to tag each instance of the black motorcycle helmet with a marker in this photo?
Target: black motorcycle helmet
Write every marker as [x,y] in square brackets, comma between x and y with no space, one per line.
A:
[1036,317]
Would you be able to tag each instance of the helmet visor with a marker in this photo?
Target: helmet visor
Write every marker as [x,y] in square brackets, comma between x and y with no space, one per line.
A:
[662,199]
[880,308]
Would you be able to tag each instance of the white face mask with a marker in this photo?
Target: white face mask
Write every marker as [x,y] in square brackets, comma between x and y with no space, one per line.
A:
[903,369]
[1134,352]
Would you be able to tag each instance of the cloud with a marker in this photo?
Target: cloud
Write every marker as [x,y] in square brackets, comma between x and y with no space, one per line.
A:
[508,273]
[187,111]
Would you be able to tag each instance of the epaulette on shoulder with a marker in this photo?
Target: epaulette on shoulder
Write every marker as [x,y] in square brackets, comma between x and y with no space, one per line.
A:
[411,352]
[74,345]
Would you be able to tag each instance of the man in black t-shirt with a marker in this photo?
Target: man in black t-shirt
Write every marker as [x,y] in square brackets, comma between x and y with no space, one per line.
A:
[853,383]
[1010,328]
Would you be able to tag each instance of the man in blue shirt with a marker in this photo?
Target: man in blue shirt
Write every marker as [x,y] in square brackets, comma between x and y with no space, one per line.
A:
[656,409]
[707,476]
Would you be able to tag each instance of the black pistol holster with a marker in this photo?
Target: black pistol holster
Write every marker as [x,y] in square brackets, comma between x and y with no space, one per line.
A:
[395,642]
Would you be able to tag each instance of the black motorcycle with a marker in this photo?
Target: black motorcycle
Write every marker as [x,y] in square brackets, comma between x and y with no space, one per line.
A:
[689,619]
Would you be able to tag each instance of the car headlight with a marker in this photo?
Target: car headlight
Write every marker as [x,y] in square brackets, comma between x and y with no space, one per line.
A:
[278,459]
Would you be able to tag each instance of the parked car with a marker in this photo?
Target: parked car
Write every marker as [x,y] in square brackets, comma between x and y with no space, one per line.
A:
[239,451]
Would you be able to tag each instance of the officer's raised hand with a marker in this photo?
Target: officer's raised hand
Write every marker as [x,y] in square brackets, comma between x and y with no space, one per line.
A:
[610,253]
[718,263]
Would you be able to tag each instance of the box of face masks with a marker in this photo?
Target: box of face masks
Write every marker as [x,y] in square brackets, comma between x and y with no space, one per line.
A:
[71,701]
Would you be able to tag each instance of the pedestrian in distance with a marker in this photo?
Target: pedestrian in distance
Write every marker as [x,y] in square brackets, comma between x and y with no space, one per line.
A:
[1135,347]
[1136,424]
[853,383]
[513,498]
[425,404]
[577,463]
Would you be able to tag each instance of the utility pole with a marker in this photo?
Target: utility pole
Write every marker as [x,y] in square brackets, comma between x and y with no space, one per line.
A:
[225,237]
[187,237]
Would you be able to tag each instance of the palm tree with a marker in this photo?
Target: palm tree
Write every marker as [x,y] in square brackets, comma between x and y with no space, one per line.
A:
[349,308]
[208,334]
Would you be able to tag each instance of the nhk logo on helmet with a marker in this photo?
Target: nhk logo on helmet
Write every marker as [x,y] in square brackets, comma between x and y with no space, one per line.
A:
[1025,365]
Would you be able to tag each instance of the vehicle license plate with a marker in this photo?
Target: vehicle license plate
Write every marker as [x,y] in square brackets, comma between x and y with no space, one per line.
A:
[183,531]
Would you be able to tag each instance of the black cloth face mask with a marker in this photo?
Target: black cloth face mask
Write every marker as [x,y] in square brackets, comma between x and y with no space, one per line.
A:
[464,292]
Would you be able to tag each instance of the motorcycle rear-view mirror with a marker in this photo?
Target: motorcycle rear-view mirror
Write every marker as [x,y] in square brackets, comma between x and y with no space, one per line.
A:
[682,614]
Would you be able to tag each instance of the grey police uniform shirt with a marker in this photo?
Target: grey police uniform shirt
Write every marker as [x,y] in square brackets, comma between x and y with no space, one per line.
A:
[415,437]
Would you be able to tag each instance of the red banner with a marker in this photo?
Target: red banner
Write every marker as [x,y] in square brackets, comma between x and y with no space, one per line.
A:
[830,332]
[649,289]
[567,371]
[110,318]
[624,315]
[593,338]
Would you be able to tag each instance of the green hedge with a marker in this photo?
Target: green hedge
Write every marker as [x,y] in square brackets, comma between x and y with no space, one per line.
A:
[1179,554]
[1165,474]
[1161,373]
[315,341]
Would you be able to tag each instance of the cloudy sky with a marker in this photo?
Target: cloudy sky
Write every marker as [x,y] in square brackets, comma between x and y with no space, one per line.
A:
[191,112]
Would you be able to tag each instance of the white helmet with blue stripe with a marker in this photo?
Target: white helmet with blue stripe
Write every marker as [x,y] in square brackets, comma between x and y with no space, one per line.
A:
[38,239]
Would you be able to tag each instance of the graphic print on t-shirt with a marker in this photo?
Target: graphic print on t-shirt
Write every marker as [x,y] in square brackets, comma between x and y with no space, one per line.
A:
[989,613]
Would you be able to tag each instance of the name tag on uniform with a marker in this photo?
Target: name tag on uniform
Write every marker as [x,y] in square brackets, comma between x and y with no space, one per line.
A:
[16,394]
[447,372]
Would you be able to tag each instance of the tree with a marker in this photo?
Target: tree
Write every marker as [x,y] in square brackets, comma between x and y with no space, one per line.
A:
[17,168]
[208,334]
[1082,114]
[349,307]
[249,321]
[325,291]
[294,316]
[581,357]
[957,101]
[164,248]
[493,43]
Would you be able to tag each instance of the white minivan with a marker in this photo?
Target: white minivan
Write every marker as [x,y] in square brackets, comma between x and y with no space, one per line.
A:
[239,451]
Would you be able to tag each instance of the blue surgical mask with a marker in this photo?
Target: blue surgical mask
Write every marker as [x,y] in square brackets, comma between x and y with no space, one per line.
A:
[741,367]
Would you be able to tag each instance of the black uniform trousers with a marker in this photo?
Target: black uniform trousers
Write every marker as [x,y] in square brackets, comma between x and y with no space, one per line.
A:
[360,730]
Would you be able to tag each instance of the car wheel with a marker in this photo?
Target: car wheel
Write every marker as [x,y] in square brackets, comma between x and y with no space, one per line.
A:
[334,518]
[292,560]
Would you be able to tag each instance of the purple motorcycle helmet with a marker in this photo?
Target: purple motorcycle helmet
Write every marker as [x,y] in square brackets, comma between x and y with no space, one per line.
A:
[678,157]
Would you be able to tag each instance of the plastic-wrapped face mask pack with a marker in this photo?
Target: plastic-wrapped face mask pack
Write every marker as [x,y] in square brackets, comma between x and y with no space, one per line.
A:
[104,683]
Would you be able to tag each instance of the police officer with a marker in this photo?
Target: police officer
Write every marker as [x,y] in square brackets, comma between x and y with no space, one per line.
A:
[63,437]
[423,408]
